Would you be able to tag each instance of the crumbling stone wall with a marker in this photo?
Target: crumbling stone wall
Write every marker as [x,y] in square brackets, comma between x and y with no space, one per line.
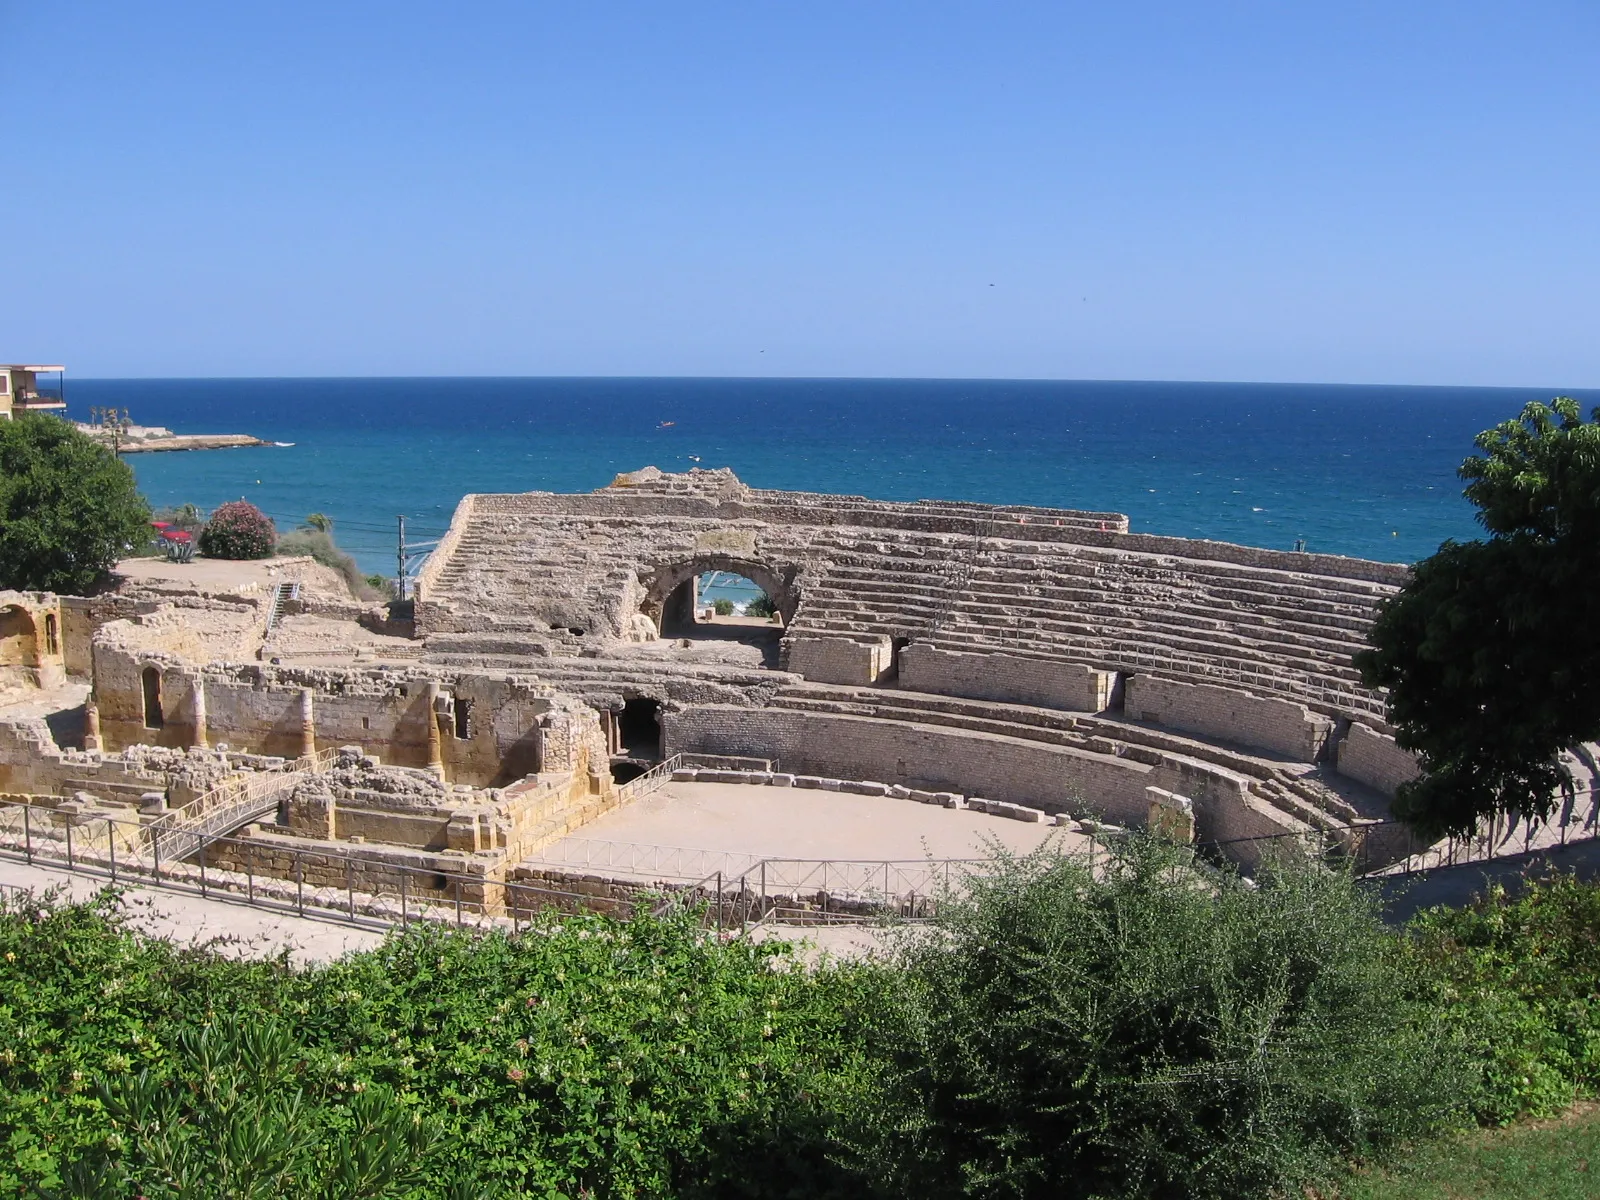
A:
[32,647]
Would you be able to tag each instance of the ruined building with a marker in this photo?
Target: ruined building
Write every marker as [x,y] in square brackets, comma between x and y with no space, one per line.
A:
[1038,657]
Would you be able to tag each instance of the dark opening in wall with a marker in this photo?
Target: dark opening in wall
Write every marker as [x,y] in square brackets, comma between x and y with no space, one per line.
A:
[626,771]
[153,718]
[52,639]
[639,729]
[461,716]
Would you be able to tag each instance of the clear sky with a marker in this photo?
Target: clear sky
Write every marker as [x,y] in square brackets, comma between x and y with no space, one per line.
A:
[1323,190]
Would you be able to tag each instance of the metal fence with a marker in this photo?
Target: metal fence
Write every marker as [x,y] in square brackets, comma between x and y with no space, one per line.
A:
[656,777]
[331,885]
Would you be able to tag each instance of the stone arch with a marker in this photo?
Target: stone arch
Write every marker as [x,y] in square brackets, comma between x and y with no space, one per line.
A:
[19,638]
[778,581]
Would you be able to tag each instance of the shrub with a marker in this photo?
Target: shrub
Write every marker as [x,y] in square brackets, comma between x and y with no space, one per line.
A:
[1520,980]
[641,1058]
[238,530]
[69,508]
[320,545]
[761,606]
[722,606]
[1160,1032]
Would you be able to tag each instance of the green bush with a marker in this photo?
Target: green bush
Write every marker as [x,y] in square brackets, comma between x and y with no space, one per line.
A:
[1161,1032]
[69,509]
[722,606]
[761,606]
[238,530]
[1520,980]
[615,1059]
[319,544]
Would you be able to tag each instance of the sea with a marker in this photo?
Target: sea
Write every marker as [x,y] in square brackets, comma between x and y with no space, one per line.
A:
[1357,470]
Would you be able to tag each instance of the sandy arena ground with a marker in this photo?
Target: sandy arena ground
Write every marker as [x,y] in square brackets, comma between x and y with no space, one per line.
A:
[745,821]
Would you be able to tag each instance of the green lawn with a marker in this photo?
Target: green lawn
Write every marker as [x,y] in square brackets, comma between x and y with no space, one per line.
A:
[1542,1160]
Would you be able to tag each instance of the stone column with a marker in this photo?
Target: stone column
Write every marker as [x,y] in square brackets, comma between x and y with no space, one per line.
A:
[200,733]
[91,724]
[308,724]
[435,749]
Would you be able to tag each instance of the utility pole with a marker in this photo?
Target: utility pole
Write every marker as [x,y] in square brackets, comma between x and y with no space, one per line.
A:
[400,562]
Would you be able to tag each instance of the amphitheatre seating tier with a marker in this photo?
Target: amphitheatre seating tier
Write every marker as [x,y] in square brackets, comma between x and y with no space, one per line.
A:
[1298,789]
[1014,765]
[1057,585]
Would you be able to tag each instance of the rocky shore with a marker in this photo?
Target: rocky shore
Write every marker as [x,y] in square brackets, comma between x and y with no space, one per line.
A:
[136,438]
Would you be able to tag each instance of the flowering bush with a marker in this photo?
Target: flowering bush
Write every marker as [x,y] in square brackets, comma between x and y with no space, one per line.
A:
[238,530]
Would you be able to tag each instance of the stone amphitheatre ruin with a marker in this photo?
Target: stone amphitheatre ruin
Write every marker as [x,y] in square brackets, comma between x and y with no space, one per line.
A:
[1041,663]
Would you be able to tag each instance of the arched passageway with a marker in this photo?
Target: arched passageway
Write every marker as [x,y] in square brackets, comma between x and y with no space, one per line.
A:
[19,641]
[672,593]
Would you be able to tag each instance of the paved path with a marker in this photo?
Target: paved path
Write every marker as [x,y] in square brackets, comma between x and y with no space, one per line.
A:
[227,927]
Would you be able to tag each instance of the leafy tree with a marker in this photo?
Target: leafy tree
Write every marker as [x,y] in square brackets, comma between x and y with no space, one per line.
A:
[761,606]
[1491,653]
[68,508]
[722,606]
[238,530]
[319,523]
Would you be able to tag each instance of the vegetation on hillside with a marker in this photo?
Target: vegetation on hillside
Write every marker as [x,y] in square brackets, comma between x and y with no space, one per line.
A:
[315,538]
[69,508]
[1492,651]
[1166,1032]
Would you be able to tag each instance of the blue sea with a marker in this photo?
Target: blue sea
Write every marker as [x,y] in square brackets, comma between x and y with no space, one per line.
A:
[1361,470]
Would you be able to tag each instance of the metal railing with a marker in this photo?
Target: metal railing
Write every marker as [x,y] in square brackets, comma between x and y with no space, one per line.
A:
[237,800]
[330,885]
[1389,848]
[656,777]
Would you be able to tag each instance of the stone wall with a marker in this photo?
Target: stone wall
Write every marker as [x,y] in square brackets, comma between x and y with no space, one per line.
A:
[1282,726]
[838,660]
[1376,760]
[1052,778]
[31,640]
[1004,677]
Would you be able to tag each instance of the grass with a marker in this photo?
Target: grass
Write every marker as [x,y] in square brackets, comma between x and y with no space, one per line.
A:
[1557,1159]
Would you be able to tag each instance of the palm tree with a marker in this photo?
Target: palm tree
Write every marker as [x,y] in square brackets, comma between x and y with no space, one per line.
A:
[320,522]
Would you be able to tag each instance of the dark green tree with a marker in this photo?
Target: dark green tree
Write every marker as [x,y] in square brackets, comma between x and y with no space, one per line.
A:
[1491,653]
[69,509]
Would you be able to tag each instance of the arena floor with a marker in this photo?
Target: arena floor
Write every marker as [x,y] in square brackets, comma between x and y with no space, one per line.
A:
[687,830]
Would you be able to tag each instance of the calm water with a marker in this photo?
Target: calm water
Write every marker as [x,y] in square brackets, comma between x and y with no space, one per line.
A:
[1353,470]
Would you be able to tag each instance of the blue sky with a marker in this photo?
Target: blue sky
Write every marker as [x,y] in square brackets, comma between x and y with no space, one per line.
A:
[1346,192]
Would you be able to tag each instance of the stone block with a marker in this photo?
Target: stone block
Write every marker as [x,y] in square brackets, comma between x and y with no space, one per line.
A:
[899,792]
[758,778]
[830,785]
[685,775]
[782,779]
[807,781]
[866,787]
[949,799]
[922,797]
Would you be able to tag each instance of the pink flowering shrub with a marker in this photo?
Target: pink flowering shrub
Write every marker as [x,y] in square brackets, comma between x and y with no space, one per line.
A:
[238,530]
